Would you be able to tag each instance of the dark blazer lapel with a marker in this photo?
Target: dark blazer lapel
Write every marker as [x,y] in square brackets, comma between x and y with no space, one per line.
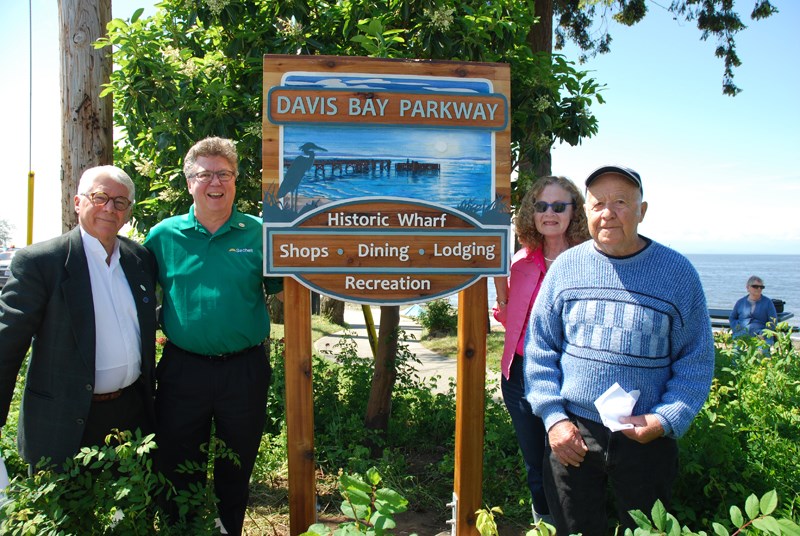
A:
[77,292]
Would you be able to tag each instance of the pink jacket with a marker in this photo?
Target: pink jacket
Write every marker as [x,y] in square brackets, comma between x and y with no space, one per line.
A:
[527,272]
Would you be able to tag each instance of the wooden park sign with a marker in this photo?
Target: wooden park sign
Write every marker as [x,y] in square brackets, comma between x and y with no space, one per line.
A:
[385,182]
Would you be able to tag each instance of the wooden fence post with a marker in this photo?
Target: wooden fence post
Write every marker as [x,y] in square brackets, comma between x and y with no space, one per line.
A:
[470,410]
[299,407]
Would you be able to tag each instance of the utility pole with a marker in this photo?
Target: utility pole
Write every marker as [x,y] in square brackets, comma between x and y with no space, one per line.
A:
[86,120]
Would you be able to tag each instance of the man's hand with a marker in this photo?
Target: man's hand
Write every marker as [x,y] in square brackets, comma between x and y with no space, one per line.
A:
[645,428]
[567,443]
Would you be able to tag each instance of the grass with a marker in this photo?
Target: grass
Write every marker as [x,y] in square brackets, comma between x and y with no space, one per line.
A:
[448,346]
[320,327]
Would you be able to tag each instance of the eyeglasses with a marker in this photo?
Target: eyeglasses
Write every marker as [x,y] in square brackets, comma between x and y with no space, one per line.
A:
[762,287]
[223,175]
[558,207]
[101,199]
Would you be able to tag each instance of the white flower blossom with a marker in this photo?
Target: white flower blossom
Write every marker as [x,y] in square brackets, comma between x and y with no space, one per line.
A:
[441,19]
[216,6]
[289,28]
[542,104]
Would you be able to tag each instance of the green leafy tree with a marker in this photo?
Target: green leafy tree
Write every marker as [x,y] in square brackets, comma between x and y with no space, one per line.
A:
[575,21]
[194,70]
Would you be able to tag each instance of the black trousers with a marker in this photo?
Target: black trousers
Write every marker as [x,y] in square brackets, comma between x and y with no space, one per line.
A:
[639,474]
[127,412]
[530,431]
[192,392]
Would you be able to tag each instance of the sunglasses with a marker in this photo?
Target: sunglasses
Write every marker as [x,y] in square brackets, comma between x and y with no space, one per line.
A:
[762,287]
[558,207]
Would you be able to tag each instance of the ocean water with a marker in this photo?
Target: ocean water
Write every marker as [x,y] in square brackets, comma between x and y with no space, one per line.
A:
[458,181]
[724,278]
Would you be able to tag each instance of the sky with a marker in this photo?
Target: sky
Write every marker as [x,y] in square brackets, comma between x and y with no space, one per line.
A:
[720,174]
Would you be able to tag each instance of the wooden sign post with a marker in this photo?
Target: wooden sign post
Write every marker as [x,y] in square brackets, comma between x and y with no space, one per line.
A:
[386,182]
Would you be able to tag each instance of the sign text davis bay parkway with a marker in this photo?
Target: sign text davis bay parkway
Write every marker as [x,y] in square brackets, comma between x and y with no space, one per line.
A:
[289,105]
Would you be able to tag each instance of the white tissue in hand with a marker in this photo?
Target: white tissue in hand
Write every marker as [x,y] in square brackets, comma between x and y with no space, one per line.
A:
[616,403]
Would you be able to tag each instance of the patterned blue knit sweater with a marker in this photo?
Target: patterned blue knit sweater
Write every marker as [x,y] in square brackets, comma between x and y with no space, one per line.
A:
[640,321]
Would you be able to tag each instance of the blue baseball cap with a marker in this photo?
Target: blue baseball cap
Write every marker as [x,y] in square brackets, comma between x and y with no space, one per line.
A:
[628,173]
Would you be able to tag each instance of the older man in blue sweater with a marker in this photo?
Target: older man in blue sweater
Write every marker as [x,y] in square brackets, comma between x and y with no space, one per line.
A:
[623,309]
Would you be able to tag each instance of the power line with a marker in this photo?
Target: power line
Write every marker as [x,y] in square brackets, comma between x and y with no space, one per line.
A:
[30,84]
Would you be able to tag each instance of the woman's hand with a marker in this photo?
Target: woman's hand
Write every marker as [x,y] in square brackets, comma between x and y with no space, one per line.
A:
[499,311]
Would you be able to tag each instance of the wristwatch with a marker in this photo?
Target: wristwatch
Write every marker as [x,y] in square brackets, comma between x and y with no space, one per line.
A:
[502,302]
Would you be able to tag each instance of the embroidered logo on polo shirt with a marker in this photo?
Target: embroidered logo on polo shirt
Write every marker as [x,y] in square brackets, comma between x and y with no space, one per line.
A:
[241,250]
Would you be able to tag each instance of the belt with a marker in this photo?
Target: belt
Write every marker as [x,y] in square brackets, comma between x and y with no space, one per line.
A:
[218,357]
[106,397]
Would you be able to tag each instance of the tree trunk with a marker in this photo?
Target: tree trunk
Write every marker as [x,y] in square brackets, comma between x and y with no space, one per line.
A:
[275,307]
[379,406]
[332,309]
[540,39]
[87,121]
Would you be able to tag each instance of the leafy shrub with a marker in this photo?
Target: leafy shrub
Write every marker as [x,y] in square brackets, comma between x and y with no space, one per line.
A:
[745,440]
[369,507]
[747,432]
[439,318]
[107,490]
[758,511]
[759,514]
[418,450]
[487,525]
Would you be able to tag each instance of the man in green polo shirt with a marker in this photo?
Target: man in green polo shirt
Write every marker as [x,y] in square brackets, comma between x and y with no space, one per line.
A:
[215,367]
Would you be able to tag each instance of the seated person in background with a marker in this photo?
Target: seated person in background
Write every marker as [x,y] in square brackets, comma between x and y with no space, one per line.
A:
[753,312]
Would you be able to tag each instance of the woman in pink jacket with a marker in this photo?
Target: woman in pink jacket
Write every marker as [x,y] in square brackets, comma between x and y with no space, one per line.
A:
[550,219]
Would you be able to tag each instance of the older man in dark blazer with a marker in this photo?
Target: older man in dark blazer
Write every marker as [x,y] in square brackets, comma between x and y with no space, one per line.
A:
[84,303]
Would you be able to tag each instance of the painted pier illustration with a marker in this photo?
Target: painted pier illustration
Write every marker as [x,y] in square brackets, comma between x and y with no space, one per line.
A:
[339,167]
[414,166]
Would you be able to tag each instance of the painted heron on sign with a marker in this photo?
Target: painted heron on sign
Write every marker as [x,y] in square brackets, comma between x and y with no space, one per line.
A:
[296,172]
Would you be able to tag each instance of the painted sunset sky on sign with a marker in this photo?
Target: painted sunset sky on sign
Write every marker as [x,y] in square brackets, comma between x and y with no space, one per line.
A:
[452,167]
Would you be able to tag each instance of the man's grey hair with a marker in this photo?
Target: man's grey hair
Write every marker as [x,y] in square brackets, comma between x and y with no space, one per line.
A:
[209,147]
[112,172]
[754,279]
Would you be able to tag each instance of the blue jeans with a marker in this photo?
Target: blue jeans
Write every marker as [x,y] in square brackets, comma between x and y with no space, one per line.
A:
[639,474]
[529,428]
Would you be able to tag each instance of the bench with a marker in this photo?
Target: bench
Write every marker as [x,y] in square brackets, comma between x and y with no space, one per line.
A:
[719,317]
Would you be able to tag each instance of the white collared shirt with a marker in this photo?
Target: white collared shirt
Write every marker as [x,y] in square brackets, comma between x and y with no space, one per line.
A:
[118,346]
